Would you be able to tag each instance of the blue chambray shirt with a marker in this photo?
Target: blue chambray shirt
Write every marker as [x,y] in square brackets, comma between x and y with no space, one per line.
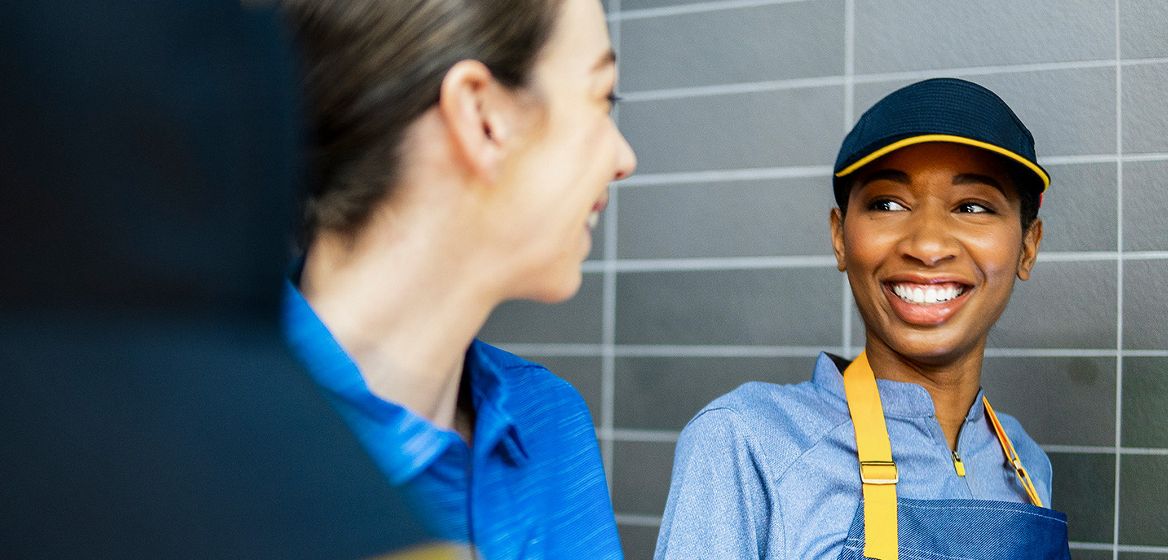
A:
[770,471]
[532,486]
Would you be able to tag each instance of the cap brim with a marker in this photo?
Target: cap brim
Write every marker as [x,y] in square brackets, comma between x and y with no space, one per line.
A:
[946,138]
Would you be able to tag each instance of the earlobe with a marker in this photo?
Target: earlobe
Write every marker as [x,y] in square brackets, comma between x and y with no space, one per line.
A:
[836,222]
[474,124]
[1031,239]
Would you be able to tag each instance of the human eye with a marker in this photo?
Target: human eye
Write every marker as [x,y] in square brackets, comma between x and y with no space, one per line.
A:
[613,99]
[974,208]
[886,205]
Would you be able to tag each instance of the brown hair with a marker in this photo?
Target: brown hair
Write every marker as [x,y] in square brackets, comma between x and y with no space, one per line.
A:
[372,67]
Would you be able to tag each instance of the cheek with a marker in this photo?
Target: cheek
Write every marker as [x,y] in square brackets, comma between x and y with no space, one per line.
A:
[571,148]
[595,146]
[997,255]
[864,246]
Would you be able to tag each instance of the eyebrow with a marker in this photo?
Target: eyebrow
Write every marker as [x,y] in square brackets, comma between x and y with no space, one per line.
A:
[886,175]
[961,179]
[976,178]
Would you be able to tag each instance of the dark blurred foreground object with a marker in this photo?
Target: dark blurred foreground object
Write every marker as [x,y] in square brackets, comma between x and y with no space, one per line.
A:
[148,407]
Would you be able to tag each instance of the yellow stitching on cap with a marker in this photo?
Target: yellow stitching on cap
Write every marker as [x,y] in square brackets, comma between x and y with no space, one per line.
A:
[947,138]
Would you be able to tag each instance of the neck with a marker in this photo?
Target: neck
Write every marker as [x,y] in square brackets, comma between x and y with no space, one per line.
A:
[404,300]
[952,384]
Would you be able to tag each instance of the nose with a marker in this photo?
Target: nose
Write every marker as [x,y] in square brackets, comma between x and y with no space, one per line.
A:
[626,159]
[928,239]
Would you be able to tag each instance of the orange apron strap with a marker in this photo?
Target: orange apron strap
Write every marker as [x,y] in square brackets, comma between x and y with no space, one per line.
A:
[1012,455]
[878,473]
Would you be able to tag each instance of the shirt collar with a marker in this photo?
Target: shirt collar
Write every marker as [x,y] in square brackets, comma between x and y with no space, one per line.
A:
[495,425]
[402,442]
[898,399]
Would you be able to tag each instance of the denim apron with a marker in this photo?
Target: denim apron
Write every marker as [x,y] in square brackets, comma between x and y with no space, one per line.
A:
[937,529]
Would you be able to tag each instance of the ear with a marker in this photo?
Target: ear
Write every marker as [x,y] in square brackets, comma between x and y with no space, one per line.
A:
[1030,242]
[836,219]
[471,106]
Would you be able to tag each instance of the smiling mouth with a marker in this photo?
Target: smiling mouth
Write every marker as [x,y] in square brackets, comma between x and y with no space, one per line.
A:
[927,294]
[926,304]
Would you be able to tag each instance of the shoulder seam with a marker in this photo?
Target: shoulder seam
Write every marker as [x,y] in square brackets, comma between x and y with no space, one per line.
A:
[811,448]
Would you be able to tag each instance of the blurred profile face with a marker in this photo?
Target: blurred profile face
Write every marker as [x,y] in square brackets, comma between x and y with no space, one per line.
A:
[931,243]
[569,152]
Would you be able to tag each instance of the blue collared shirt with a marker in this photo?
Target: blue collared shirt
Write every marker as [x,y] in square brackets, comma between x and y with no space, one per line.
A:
[770,471]
[532,486]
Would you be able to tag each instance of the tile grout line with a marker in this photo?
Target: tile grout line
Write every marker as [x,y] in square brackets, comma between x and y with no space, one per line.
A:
[726,175]
[695,8]
[1097,450]
[849,117]
[686,92]
[724,263]
[647,436]
[824,171]
[737,88]
[1079,545]
[608,311]
[1119,282]
[699,264]
[638,520]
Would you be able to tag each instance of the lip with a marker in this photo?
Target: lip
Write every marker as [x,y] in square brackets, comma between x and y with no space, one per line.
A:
[926,315]
[601,204]
[597,209]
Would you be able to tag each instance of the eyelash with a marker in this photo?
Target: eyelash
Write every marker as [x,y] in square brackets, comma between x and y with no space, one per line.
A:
[878,205]
[613,98]
[986,209]
[881,205]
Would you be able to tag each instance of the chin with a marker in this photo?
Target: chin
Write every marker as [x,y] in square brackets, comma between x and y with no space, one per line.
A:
[559,289]
[933,350]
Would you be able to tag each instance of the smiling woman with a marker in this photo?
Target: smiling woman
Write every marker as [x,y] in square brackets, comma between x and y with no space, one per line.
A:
[897,451]
[932,245]
[463,152]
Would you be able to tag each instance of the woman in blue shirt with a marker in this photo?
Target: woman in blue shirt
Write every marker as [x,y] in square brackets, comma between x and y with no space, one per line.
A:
[462,153]
[898,452]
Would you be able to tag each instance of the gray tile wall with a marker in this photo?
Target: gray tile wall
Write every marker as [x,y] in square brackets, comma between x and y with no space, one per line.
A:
[713,265]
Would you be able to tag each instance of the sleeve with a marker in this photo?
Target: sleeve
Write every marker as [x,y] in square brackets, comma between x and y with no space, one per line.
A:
[1041,473]
[718,504]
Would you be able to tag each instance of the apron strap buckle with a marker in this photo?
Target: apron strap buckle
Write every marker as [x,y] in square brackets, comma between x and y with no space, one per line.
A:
[879,472]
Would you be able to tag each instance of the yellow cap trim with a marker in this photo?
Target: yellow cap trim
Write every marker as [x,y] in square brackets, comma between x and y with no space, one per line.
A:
[946,138]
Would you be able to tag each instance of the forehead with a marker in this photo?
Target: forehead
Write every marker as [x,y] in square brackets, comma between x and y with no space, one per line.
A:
[579,38]
[941,157]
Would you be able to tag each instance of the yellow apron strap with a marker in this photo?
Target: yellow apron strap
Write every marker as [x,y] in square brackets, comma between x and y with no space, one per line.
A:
[878,472]
[1011,455]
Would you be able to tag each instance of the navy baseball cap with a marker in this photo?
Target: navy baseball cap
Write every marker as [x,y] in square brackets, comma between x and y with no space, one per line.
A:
[937,110]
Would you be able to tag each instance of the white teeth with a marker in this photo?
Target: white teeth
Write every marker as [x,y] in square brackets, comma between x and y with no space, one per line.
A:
[593,219]
[914,293]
